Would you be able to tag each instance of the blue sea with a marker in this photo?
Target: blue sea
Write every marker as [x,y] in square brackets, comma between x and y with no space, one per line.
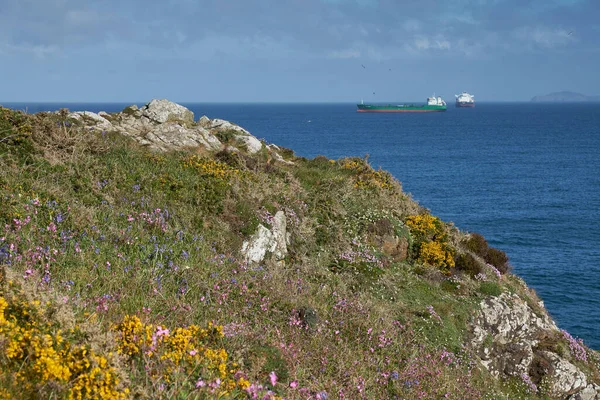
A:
[525,175]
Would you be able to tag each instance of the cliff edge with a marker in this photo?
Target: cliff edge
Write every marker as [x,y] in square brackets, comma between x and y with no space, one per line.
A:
[149,254]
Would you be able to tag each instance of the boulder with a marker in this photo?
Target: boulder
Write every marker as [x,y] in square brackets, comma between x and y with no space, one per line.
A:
[566,378]
[266,240]
[167,137]
[222,125]
[163,110]
[252,144]
[91,119]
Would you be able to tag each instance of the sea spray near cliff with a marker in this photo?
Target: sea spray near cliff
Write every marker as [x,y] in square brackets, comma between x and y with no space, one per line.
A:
[524,175]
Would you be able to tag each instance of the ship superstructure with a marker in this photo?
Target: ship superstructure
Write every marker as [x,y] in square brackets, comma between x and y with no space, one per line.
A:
[465,100]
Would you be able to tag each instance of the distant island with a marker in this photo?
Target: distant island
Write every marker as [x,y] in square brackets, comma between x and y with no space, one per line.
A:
[564,97]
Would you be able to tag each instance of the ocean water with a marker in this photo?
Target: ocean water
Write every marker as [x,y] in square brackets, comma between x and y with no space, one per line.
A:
[526,176]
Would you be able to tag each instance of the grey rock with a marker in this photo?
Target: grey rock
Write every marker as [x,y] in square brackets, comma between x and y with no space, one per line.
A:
[265,240]
[162,125]
[505,334]
[566,379]
[591,392]
[204,121]
[91,119]
[164,110]
[167,137]
[222,125]
[252,144]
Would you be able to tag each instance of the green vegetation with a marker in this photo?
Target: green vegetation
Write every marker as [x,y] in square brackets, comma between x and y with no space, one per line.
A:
[133,260]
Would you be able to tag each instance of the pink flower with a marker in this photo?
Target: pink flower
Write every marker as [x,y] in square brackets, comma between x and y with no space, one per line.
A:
[273,378]
[193,352]
[294,384]
[200,383]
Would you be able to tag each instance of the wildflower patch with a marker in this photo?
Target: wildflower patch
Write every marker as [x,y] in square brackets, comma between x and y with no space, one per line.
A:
[40,359]
[191,352]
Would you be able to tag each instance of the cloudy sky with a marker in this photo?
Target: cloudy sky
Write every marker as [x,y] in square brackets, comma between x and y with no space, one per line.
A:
[296,50]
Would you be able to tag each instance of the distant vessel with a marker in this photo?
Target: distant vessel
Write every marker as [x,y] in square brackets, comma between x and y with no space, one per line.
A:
[465,100]
[434,104]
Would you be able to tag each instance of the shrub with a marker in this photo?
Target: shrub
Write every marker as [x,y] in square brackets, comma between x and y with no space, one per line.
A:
[425,227]
[170,354]
[477,244]
[226,136]
[42,358]
[467,263]
[365,177]
[497,258]
[436,254]
[430,241]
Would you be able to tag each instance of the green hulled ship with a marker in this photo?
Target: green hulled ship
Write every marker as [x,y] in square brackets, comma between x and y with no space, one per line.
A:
[434,104]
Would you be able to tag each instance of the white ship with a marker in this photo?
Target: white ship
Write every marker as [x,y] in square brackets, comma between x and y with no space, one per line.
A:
[465,100]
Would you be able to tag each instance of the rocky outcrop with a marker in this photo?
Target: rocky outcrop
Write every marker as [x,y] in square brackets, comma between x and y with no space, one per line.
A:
[219,125]
[91,119]
[162,111]
[162,125]
[264,241]
[511,338]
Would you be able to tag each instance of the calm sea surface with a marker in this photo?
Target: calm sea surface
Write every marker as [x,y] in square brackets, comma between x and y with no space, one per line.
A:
[526,176]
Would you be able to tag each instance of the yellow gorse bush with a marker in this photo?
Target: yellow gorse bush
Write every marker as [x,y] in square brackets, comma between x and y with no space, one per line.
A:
[209,167]
[366,177]
[37,357]
[192,352]
[431,241]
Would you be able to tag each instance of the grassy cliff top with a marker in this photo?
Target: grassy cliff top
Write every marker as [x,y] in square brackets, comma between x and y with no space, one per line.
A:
[127,273]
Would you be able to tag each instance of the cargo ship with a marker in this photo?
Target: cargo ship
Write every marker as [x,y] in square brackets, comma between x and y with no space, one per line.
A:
[434,104]
[465,100]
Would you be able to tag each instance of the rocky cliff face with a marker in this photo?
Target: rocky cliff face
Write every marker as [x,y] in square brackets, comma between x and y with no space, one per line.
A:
[512,334]
[516,338]
[163,125]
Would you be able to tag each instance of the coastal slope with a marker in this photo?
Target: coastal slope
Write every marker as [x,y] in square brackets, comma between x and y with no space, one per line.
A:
[148,254]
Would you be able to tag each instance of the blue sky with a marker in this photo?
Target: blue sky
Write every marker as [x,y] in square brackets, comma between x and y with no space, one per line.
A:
[296,50]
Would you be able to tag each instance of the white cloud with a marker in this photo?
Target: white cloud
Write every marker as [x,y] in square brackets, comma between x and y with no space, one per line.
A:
[424,43]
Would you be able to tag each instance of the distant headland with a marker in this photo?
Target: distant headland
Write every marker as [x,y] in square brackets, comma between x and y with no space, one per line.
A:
[564,97]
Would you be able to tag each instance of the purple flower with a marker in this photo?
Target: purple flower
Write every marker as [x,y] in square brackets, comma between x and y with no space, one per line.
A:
[576,346]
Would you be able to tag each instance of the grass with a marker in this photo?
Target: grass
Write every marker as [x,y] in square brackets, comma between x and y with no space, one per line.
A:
[122,238]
